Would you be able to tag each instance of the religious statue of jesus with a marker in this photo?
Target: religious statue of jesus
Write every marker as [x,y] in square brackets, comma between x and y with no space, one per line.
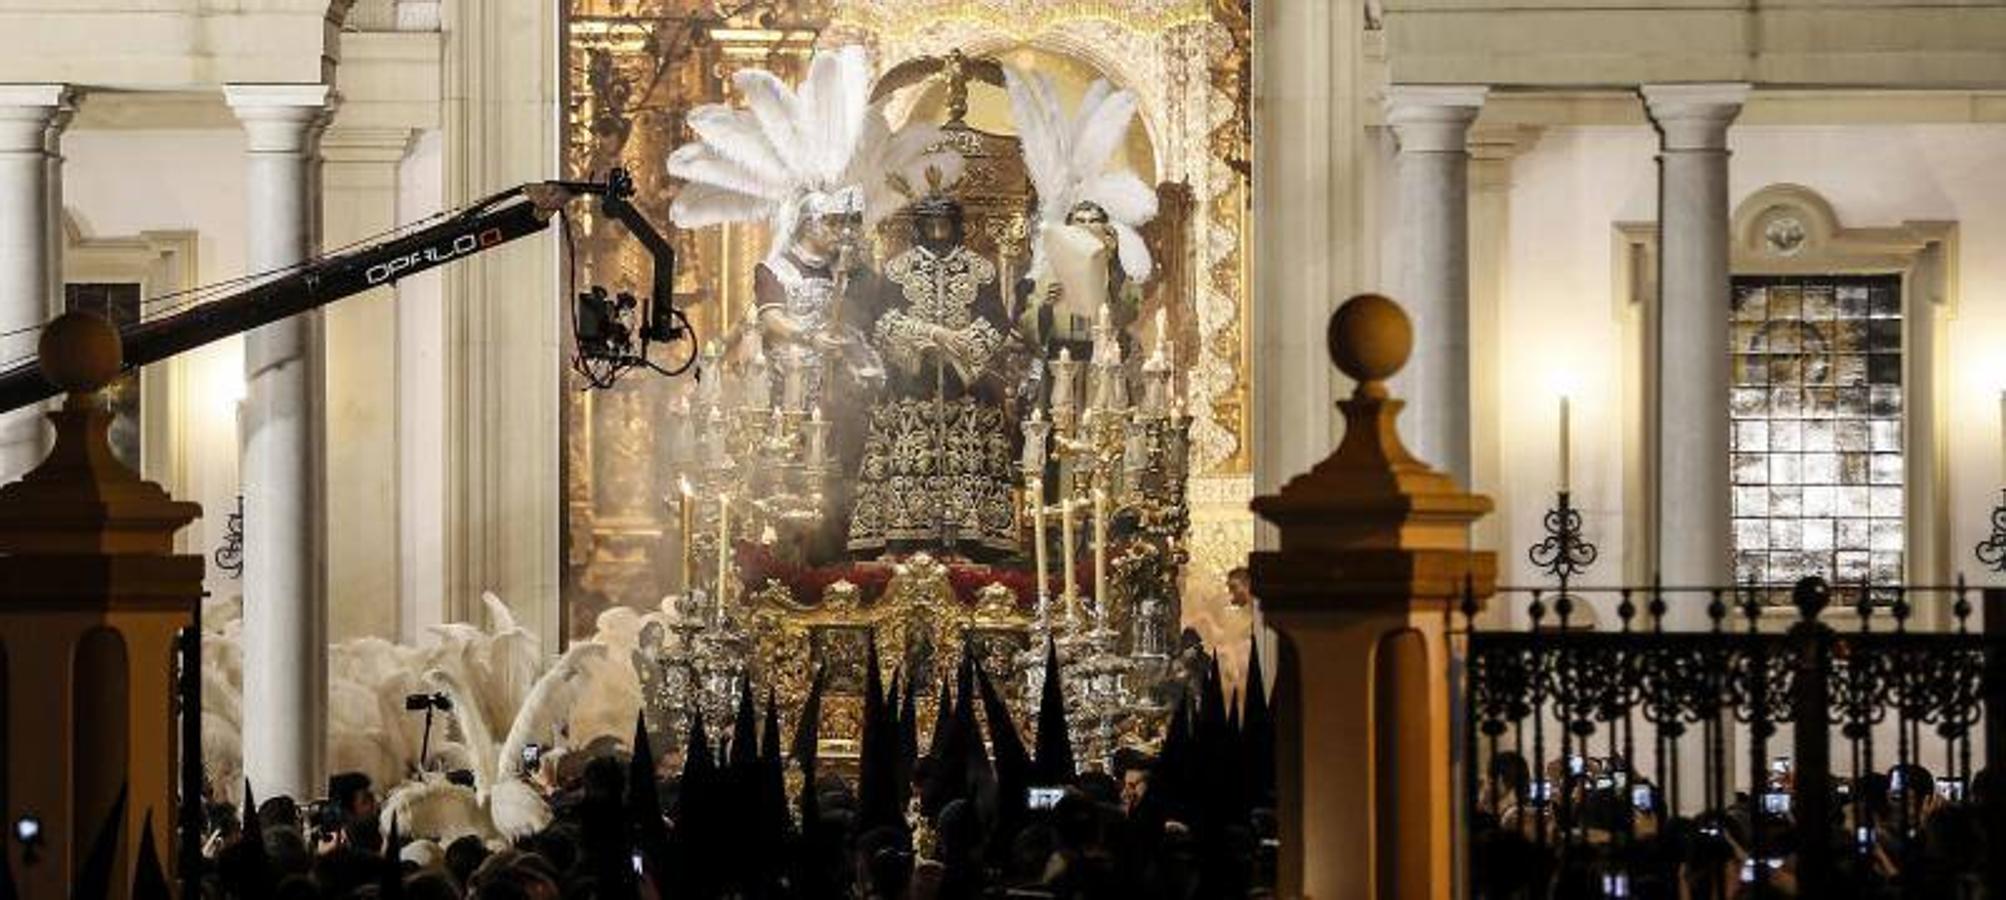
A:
[937,459]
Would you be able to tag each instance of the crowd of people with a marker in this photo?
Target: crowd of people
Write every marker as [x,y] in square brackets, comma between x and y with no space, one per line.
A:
[978,812]
[1592,827]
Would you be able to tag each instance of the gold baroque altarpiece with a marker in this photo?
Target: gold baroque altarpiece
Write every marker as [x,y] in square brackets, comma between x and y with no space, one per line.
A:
[633,68]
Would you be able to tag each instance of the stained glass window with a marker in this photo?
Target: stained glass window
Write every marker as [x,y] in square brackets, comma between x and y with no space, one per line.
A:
[1816,413]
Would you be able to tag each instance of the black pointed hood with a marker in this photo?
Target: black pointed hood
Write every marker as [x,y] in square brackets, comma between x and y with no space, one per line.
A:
[1054,744]
[805,750]
[95,872]
[808,729]
[745,732]
[149,880]
[644,802]
[962,766]
[1013,763]
[877,765]
[1257,728]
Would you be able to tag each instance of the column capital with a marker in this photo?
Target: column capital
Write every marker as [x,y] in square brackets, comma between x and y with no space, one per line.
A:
[280,118]
[366,145]
[1433,118]
[30,112]
[1694,116]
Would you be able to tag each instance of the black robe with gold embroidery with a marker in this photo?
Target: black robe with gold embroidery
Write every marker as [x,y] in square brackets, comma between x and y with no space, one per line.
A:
[937,462]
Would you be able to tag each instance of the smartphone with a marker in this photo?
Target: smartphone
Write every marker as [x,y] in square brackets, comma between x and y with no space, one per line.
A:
[1043,797]
[1779,766]
[1542,792]
[1605,783]
[1615,884]
[1576,764]
[636,860]
[531,755]
[1749,867]
[1776,803]
[1640,796]
[1897,781]
[1951,789]
[1863,837]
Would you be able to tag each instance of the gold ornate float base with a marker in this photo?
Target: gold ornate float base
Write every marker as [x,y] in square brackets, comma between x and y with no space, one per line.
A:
[921,630]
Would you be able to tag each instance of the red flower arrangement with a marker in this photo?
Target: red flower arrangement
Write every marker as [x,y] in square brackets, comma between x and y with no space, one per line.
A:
[757,564]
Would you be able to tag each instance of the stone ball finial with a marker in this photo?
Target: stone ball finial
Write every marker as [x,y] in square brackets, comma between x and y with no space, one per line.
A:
[80,352]
[1370,337]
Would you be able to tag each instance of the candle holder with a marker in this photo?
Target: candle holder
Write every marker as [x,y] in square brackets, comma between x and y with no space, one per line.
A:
[1992,551]
[1564,553]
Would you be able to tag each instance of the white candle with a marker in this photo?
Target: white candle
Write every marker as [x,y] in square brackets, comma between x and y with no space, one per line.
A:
[1101,597]
[793,388]
[1066,548]
[1033,458]
[817,434]
[713,437]
[1565,449]
[689,529]
[1036,488]
[723,553]
[1062,380]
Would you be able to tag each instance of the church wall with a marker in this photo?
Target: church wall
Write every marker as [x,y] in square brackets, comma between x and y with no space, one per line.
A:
[1560,319]
[113,185]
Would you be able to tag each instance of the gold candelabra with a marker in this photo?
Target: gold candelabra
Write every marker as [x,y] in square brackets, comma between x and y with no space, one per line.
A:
[1122,466]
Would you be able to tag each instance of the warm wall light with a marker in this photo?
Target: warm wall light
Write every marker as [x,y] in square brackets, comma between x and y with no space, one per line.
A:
[231,389]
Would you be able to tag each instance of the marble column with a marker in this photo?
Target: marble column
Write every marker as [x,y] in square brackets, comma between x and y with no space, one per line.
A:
[1431,124]
[32,117]
[285,607]
[1692,358]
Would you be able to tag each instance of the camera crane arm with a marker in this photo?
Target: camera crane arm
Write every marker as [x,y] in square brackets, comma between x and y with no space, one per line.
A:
[492,222]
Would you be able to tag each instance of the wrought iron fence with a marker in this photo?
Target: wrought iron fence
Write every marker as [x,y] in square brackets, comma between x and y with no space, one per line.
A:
[1837,750]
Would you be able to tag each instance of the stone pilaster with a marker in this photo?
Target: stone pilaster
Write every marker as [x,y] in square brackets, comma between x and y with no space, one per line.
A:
[359,185]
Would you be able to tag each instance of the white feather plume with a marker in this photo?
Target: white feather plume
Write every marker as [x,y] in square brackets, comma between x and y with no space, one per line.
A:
[544,707]
[516,810]
[474,726]
[1069,158]
[756,163]
[437,809]
[1133,252]
[505,694]
[736,139]
[501,620]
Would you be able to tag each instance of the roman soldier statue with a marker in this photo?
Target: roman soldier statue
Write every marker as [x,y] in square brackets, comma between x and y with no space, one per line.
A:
[1086,250]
